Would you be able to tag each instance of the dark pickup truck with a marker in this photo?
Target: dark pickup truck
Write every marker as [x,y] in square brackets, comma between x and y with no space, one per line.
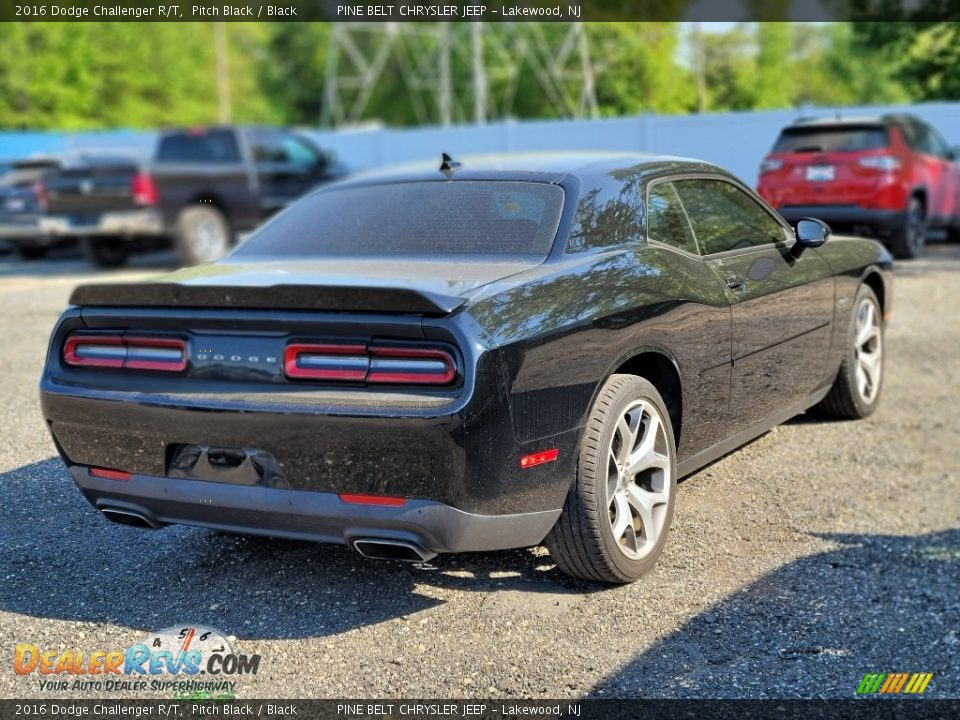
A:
[199,190]
[21,204]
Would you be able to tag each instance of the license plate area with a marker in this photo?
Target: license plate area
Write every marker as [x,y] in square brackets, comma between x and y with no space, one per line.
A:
[236,466]
[820,173]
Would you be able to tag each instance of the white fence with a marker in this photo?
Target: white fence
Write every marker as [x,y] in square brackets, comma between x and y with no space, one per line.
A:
[735,141]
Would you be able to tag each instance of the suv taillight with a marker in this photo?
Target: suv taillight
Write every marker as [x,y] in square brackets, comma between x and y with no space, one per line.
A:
[40,192]
[125,352]
[770,165]
[883,163]
[144,189]
[378,364]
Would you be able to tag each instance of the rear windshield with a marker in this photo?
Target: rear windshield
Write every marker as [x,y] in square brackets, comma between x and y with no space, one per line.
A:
[848,138]
[416,219]
[199,146]
[24,175]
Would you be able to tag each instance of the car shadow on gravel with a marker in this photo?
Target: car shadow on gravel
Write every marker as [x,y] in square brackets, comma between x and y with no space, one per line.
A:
[59,559]
[815,626]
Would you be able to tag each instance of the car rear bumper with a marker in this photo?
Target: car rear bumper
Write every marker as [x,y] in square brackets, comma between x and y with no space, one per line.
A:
[846,216]
[431,526]
[25,231]
[121,223]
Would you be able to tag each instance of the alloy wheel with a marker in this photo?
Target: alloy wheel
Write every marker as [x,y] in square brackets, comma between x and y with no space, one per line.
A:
[868,350]
[638,479]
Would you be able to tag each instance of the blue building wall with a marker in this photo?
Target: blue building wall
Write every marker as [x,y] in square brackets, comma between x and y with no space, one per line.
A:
[735,141]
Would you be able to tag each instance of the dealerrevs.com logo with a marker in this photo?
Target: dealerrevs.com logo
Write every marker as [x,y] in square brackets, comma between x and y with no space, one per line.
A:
[191,658]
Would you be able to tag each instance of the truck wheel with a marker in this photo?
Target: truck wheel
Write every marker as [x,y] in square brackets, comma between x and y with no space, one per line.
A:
[618,512]
[203,234]
[908,239]
[29,252]
[105,252]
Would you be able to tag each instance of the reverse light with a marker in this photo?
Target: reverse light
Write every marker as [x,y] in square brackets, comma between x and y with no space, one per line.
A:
[108,474]
[126,352]
[770,165]
[362,499]
[416,366]
[378,364]
[540,458]
[885,163]
[326,362]
[144,190]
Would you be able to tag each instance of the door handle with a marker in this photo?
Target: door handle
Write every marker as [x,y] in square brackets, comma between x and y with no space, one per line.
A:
[736,282]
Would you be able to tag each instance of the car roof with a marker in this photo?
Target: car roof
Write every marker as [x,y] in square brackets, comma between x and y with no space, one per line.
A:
[879,120]
[533,167]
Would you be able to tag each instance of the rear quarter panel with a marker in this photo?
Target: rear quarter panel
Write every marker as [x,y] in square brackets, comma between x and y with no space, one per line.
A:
[565,327]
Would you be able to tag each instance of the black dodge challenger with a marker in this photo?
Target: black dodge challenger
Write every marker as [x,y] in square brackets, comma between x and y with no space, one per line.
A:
[487,355]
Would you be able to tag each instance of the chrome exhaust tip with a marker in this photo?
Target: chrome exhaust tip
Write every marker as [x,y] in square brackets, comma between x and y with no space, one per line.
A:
[386,549]
[129,517]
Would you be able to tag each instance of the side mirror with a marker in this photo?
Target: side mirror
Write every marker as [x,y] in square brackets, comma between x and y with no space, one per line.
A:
[812,232]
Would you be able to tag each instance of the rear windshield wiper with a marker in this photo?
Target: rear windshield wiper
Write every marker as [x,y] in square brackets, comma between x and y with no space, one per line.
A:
[809,148]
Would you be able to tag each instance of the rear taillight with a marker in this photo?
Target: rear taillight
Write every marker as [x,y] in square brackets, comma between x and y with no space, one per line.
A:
[770,165]
[40,192]
[144,189]
[379,364]
[884,163]
[126,352]
[326,362]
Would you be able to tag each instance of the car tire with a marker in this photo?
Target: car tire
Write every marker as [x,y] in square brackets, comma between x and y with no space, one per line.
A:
[203,235]
[614,523]
[105,252]
[910,237]
[29,252]
[856,391]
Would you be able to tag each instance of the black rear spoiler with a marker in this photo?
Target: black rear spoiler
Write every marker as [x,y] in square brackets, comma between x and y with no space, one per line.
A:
[276,297]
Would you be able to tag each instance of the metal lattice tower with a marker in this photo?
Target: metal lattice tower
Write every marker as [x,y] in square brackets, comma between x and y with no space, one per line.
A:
[433,60]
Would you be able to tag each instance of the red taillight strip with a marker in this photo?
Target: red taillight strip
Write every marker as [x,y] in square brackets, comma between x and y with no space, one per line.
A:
[292,354]
[70,350]
[359,499]
[170,353]
[376,364]
[427,376]
[108,474]
[534,459]
[173,365]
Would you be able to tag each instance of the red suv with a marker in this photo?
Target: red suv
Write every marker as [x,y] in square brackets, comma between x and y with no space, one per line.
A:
[892,177]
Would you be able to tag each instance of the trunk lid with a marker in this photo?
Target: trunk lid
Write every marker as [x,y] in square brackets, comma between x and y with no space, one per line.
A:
[330,285]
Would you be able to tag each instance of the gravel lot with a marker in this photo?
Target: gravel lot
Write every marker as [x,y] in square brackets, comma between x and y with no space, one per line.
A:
[822,551]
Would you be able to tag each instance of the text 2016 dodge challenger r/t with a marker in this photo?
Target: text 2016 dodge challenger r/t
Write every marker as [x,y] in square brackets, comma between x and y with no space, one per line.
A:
[485,356]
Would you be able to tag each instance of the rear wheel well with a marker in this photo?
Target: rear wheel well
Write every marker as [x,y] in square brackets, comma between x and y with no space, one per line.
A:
[921,195]
[660,372]
[208,199]
[875,283]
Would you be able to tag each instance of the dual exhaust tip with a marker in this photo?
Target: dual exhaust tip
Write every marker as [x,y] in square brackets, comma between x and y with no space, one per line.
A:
[373,548]
[388,549]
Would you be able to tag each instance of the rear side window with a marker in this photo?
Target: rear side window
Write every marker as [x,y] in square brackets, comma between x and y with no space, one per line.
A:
[666,221]
[725,218]
[424,220]
[201,146]
[845,138]
[277,147]
[606,216]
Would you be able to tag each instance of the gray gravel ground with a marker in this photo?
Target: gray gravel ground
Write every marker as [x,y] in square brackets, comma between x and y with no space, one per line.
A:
[822,551]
